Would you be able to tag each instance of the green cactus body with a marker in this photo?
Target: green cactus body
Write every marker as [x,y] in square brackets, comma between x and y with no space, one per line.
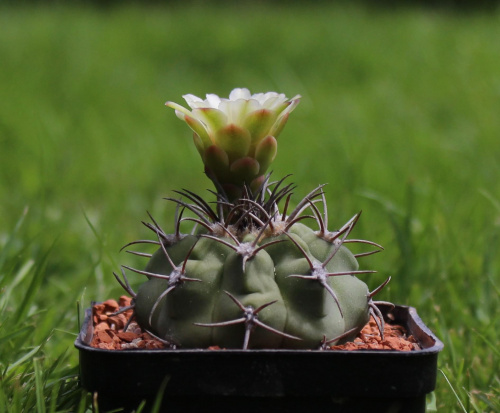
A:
[301,286]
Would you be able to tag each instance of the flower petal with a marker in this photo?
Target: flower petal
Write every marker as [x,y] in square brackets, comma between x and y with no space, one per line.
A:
[217,161]
[273,99]
[199,129]
[236,110]
[280,123]
[213,100]
[193,101]
[293,103]
[239,93]
[244,170]
[258,124]
[178,107]
[199,145]
[278,102]
[235,141]
[259,97]
[214,119]
[180,115]
[266,152]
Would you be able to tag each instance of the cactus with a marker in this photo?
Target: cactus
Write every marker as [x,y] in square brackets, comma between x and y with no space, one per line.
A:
[250,274]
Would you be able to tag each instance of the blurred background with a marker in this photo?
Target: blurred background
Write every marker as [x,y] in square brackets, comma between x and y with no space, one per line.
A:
[399,116]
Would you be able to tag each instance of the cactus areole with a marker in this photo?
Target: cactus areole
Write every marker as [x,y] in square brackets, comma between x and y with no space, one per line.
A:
[253,272]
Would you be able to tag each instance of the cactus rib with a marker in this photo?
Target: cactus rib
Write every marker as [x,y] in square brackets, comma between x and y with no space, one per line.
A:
[250,320]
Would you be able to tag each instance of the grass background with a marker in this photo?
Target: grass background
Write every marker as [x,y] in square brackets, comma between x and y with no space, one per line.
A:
[399,116]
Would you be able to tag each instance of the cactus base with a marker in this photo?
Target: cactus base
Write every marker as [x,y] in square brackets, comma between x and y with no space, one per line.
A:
[266,380]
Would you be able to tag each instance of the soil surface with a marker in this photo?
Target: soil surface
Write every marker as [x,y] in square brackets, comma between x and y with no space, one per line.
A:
[109,334]
[395,338]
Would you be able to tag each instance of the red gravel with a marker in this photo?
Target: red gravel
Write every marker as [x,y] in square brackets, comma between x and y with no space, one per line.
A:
[109,334]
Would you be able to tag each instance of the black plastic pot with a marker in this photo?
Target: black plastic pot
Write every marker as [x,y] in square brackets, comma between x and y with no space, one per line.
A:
[266,380]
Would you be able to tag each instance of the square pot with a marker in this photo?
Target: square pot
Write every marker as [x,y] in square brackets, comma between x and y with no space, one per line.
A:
[198,380]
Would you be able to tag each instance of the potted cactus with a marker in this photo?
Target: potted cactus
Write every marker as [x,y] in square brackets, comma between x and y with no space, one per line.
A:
[250,300]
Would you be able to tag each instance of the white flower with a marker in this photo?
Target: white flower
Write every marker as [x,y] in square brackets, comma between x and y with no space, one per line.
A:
[261,114]
[236,136]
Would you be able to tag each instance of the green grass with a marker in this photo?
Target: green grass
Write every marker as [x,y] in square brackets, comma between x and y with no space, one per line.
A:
[399,116]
